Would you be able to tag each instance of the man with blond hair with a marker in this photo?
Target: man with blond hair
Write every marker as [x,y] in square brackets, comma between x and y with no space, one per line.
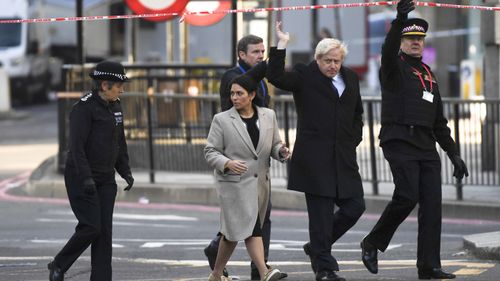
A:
[329,128]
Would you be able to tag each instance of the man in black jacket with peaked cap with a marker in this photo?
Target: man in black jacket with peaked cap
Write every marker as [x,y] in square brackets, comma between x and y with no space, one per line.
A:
[412,122]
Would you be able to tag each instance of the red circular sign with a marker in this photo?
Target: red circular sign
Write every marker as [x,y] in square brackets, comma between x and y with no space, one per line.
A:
[156,6]
[205,20]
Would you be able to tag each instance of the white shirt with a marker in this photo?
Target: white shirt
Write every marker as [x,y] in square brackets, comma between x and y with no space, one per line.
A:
[338,82]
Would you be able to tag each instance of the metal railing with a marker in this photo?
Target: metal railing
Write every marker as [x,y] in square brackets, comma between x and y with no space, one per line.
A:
[167,132]
[169,108]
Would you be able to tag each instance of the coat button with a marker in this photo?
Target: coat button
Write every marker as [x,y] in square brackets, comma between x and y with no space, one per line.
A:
[255,158]
[255,175]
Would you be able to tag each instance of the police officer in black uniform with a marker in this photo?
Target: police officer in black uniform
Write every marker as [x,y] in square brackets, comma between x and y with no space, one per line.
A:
[97,148]
[412,122]
[250,51]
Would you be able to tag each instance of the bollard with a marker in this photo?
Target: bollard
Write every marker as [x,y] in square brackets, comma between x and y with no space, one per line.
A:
[4,91]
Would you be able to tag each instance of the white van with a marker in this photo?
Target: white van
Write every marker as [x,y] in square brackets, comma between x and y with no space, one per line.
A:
[24,51]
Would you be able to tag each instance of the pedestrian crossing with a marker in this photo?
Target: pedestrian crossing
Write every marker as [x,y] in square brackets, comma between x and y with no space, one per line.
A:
[295,269]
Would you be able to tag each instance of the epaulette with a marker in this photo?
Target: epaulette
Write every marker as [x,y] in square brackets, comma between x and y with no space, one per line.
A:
[86,97]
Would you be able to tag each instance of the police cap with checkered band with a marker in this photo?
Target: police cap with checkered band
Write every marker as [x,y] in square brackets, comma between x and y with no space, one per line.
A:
[109,71]
[414,27]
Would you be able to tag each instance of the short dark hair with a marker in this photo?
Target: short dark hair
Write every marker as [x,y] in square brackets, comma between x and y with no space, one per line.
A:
[246,82]
[97,84]
[247,40]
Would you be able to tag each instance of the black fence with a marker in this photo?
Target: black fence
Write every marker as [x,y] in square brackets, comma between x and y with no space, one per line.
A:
[167,132]
[168,110]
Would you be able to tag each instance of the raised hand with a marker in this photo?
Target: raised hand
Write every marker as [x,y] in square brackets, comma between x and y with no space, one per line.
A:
[283,37]
[404,7]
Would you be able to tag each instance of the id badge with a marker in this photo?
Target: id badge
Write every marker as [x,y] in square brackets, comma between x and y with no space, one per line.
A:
[428,96]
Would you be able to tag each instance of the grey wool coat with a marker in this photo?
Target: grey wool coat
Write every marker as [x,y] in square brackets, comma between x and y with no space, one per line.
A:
[244,196]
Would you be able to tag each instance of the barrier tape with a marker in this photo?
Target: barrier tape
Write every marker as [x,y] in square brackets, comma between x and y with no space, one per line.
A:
[270,9]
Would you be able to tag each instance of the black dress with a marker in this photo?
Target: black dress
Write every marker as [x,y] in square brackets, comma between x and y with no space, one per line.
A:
[253,131]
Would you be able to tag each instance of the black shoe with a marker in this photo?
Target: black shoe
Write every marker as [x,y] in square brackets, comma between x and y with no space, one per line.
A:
[55,273]
[369,256]
[307,250]
[283,275]
[434,273]
[254,274]
[212,256]
[328,276]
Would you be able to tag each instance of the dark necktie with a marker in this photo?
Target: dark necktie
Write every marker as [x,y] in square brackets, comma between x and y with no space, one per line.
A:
[335,89]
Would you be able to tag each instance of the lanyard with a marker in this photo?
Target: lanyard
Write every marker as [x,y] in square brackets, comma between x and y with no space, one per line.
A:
[261,86]
[420,74]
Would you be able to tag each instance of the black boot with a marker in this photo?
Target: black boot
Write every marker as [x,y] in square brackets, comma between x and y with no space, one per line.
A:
[328,275]
[308,251]
[434,273]
[369,256]
[55,273]
[211,257]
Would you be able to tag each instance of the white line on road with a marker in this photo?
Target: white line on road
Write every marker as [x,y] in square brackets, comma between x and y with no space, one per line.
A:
[153,217]
[116,223]
[460,262]
[127,216]
[284,245]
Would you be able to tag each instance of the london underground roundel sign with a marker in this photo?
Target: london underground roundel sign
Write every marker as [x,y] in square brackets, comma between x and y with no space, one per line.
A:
[157,6]
[206,19]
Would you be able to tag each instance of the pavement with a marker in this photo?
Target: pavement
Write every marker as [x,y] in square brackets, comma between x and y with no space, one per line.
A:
[479,202]
[13,115]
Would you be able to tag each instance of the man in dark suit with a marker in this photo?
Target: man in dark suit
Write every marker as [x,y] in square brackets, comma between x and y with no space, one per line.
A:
[412,122]
[329,128]
[250,51]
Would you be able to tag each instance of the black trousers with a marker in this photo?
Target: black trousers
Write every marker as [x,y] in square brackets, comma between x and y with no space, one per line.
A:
[417,179]
[327,226]
[95,222]
[266,235]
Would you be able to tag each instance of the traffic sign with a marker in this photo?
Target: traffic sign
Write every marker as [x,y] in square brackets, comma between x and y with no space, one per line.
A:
[206,19]
[157,6]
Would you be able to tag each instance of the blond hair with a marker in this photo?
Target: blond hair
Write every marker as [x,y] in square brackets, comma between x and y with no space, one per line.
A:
[326,45]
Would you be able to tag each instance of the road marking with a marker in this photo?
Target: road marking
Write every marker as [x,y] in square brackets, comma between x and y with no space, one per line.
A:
[116,223]
[48,241]
[25,258]
[390,263]
[161,244]
[469,271]
[153,217]
[14,182]
[128,216]
[285,245]
[465,268]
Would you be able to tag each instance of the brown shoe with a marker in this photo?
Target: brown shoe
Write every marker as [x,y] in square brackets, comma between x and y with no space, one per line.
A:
[272,274]
[211,277]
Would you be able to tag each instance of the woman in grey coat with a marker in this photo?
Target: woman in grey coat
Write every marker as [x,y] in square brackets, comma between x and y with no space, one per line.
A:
[239,146]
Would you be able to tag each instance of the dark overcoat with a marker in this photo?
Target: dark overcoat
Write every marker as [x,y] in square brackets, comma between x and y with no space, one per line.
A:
[258,72]
[329,128]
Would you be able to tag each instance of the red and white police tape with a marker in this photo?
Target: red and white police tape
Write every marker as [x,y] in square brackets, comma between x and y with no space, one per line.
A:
[291,8]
